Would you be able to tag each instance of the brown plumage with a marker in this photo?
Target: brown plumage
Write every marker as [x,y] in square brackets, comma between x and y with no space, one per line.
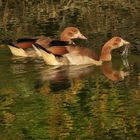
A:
[56,47]
[81,55]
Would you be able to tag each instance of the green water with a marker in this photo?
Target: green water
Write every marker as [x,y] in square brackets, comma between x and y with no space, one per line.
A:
[40,102]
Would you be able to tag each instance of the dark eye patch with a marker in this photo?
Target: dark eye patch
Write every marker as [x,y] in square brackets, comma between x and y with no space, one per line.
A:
[74,31]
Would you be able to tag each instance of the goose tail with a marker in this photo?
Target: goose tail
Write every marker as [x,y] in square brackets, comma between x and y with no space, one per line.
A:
[17,51]
[48,57]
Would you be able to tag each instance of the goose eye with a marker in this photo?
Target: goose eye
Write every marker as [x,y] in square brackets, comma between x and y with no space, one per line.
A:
[115,43]
[75,31]
[118,39]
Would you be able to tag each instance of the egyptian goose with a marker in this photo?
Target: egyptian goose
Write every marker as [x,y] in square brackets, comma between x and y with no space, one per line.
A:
[76,55]
[57,47]
[24,48]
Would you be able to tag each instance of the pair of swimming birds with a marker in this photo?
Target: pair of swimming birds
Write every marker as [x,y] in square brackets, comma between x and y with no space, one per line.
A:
[64,51]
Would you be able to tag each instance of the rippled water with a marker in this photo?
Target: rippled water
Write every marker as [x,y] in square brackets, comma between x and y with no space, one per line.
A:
[40,102]
[76,102]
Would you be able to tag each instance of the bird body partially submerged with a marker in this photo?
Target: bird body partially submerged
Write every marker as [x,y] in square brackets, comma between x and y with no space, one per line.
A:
[80,55]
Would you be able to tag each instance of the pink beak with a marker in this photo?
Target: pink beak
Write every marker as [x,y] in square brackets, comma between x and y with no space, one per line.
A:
[81,36]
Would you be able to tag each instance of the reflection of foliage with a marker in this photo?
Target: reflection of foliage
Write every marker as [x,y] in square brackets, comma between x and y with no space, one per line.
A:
[97,115]
[6,117]
[92,108]
[106,115]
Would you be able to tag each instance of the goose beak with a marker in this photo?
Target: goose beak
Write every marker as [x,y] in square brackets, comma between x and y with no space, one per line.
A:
[126,43]
[79,35]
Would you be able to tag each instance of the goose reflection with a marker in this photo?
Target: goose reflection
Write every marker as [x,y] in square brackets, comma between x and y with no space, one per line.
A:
[113,75]
[57,78]
[61,78]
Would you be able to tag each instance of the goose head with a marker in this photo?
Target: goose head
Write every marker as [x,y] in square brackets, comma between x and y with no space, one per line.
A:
[70,33]
[113,43]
